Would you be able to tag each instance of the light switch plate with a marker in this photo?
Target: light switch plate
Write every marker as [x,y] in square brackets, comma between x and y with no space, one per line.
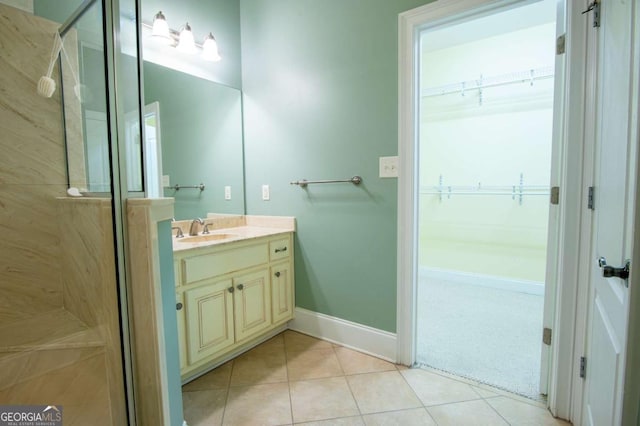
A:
[227,192]
[389,167]
[165,181]
[265,193]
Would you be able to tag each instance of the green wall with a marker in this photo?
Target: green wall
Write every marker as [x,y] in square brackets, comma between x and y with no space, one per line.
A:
[320,83]
[220,17]
[57,11]
[201,138]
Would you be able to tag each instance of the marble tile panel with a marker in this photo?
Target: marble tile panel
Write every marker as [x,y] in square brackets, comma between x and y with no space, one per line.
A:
[30,265]
[322,399]
[30,126]
[379,392]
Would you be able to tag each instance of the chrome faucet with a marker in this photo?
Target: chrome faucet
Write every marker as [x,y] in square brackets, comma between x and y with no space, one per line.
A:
[205,230]
[193,230]
[179,234]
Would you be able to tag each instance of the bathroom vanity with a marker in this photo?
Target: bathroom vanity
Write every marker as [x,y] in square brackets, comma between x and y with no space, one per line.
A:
[234,288]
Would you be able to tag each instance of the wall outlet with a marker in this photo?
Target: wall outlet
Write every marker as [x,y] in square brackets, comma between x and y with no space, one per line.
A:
[389,167]
[227,192]
[265,193]
[165,181]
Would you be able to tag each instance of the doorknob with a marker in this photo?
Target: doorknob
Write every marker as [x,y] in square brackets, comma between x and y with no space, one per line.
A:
[610,271]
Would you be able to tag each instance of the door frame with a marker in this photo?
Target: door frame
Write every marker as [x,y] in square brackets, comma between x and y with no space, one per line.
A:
[564,380]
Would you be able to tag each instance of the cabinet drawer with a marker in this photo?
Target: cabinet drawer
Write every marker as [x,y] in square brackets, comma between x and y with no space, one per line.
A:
[210,265]
[280,249]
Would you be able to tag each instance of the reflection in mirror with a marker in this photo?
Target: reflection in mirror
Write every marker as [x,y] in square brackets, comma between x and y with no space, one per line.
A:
[85,113]
[153,150]
[85,107]
[201,141]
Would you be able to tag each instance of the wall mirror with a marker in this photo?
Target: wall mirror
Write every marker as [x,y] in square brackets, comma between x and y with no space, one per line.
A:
[201,128]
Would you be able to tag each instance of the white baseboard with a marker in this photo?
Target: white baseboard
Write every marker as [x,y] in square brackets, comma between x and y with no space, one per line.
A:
[511,284]
[362,338]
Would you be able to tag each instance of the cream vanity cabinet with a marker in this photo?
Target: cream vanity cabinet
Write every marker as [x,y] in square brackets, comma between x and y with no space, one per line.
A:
[231,294]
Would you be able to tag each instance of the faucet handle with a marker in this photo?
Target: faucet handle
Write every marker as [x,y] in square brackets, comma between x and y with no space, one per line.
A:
[205,230]
[179,234]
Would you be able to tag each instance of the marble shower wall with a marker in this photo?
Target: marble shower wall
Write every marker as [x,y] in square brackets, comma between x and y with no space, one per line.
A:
[32,170]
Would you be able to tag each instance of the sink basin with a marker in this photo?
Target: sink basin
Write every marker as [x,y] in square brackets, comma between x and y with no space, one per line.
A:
[205,238]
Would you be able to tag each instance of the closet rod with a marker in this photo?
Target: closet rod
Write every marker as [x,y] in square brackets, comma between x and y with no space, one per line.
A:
[494,81]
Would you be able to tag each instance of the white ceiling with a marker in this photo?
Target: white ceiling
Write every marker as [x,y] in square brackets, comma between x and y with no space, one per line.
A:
[466,30]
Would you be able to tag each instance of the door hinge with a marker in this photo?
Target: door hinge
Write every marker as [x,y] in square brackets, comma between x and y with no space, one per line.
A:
[546,336]
[591,202]
[583,367]
[561,44]
[594,7]
[555,195]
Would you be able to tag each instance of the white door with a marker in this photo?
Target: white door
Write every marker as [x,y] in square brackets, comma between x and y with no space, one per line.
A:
[615,174]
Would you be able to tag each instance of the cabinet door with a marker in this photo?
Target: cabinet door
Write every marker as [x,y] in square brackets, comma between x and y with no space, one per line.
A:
[281,292]
[209,315]
[252,303]
[182,334]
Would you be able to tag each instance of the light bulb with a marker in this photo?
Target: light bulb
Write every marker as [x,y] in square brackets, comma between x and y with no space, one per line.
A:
[186,42]
[160,26]
[210,49]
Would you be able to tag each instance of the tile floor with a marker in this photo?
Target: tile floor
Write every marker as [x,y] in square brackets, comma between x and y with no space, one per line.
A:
[297,379]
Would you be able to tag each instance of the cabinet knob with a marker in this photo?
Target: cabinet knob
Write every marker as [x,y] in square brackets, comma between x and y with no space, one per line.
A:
[230,289]
[281,249]
[277,274]
[178,306]
[240,286]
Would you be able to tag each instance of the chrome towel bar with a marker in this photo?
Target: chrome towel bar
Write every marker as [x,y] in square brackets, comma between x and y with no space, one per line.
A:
[179,187]
[356,180]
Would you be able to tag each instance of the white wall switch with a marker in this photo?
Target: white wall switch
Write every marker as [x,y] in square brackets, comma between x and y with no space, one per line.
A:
[165,181]
[265,193]
[389,167]
[227,192]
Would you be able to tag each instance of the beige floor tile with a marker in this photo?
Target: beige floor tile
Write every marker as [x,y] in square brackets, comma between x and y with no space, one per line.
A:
[313,364]
[275,344]
[258,405]
[343,421]
[468,413]
[322,399]
[298,342]
[413,417]
[204,407]
[485,393]
[378,392]
[520,414]
[217,378]
[433,389]
[260,366]
[354,362]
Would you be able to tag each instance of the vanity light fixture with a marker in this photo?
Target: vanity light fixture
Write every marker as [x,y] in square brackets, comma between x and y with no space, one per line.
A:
[184,40]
